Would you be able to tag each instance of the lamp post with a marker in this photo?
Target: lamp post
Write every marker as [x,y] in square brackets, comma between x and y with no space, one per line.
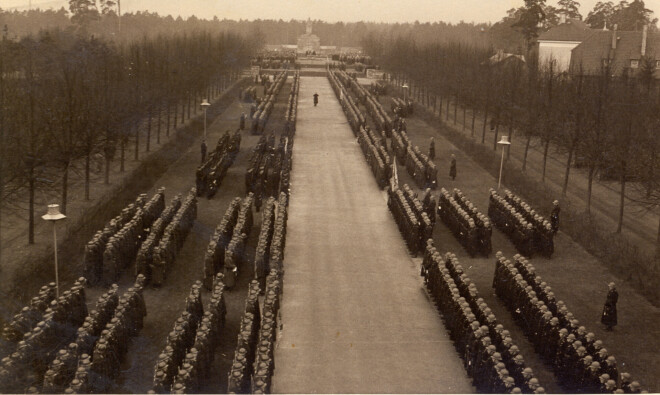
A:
[54,215]
[503,142]
[205,105]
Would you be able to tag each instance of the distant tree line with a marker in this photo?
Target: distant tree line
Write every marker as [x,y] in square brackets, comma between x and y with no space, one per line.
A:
[608,124]
[66,97]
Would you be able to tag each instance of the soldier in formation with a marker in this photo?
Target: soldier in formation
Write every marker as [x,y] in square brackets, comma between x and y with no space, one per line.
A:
[186,361]
[468,225]
[489,355]
[578,359]
[173,237]
[39,346]
[529,231]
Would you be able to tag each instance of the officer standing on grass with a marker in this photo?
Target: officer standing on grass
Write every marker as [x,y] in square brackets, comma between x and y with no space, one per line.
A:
[452,167]
[432,149]
[204,148]
[609,316]
[316,99]
[242,122]
[554,216]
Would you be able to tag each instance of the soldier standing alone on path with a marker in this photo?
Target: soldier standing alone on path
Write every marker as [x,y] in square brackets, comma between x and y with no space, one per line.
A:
[203,150]
[432,149]
[554,217]
[609,318]
[242,124]
[316,99]
[452,167]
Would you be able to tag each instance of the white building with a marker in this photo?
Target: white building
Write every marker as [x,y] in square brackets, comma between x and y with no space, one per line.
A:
[556,44]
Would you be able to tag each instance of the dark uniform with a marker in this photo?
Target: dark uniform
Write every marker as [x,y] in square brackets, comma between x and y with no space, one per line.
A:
[609,317]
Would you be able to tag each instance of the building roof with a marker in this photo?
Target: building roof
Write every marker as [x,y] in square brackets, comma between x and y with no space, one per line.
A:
[501,56]
[571,30]
[590,53]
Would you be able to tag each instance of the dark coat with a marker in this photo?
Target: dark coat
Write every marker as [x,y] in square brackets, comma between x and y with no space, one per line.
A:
[609,311]
[452,169]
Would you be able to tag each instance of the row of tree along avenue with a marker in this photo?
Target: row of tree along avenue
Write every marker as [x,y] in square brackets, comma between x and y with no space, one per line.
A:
[605,121]
[68,98]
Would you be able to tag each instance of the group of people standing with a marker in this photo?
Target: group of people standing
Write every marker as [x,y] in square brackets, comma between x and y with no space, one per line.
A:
[578,359]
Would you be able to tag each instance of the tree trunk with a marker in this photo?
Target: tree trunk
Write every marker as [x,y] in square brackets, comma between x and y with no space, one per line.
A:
[440,108]
[183,112]
[31,205]
[160,116]
[435,104]
[189,100]
[483,131]
[474,117]
[508,149]
[149,116]
[497,132]
[455,108]
[657,243]
[622,198]
[447,110]
[545,158]
[524,164]
[107,171]
[590,181]
[65,187]
[137,140]
[568,169]
[176,114]
[167,126]
[122,150]
[88,159]
[464,116]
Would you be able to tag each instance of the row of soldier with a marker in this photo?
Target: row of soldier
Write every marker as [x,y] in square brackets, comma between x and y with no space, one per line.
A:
[381,119]
[264,362]
[261,254]
[108,348]
[29,361]
[355,117]
[94,249]
[253,364]
[249,94]
[401,108]
[26,319]
[188,355]
[579,360]
[145,256]
[211,172]
[235,252]
[528,237]
[264,171]
[414,225]
[214,257]
[164,254]
[374,149]
[469,226]
[246,345]
[263,110]
[489,355]
[122,248]
[278,242]
[418,164]
[291,112]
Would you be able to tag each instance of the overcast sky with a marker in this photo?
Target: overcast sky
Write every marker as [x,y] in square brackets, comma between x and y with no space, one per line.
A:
[327,10]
